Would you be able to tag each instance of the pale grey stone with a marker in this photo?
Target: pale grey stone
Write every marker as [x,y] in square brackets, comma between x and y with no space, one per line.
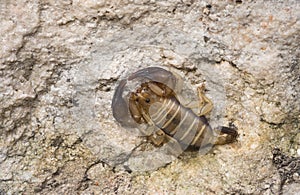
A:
[61,61]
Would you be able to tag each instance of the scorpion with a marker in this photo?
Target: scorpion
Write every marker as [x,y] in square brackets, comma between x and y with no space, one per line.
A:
[156,104]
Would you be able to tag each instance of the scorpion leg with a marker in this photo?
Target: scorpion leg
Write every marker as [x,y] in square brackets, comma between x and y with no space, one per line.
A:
[205,104]
[160,89]
[159,138]
[135,109]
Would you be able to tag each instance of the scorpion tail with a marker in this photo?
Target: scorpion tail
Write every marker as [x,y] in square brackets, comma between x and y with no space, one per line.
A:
[225,135]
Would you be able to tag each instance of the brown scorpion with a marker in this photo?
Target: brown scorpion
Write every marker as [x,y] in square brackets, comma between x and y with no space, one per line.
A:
[156,104]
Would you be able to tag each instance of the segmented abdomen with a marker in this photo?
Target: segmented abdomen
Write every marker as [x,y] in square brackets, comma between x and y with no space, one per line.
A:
[181,123]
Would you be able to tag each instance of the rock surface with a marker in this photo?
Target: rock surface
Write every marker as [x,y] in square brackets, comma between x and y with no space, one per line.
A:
[61,61]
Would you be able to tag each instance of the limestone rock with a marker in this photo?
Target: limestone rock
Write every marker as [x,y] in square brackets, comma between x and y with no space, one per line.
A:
[61,61]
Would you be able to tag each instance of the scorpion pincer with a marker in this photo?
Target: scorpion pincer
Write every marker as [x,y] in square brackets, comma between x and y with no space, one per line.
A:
[156,104]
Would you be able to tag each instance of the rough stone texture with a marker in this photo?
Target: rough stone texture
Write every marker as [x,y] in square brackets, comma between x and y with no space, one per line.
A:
[60,63]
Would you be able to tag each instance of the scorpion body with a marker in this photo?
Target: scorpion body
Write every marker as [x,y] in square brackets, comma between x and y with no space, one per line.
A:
[180,122]
[156,104]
